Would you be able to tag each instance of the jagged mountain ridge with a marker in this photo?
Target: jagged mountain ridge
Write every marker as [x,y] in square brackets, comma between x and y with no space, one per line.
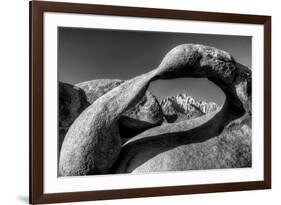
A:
[183,107]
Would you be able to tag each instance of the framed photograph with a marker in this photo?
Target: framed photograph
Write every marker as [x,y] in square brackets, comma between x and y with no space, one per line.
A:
[139,102]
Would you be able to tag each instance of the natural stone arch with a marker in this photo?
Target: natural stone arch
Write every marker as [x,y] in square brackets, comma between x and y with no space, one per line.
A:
[92,144]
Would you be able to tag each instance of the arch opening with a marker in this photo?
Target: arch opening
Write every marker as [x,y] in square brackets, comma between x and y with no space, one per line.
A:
[187,98]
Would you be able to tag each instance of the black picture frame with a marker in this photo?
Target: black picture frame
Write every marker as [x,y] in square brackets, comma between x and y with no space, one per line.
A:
[37,9]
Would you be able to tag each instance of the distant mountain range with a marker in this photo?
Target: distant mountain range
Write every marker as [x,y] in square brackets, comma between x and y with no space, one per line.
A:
[184,107]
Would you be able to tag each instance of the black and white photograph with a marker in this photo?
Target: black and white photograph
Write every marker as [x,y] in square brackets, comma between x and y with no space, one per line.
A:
[129,102]
[145,102]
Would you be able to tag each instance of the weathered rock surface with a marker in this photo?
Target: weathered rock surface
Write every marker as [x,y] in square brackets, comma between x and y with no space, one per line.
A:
[188,145]
[96,88]
[144,115]
[72,101]
[92,144]
[220,139]
[184,107]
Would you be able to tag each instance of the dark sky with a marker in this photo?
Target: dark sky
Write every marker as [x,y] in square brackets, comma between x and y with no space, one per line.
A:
[87,54]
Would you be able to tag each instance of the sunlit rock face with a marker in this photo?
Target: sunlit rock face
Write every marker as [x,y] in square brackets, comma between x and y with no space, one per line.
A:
[183,107]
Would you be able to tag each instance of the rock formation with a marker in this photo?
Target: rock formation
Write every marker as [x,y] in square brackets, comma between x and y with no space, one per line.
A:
[97,88]
[92,144]
[72,101]
[146,114]
[184,107]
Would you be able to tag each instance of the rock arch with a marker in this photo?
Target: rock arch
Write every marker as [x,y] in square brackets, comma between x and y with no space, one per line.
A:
[92,144]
